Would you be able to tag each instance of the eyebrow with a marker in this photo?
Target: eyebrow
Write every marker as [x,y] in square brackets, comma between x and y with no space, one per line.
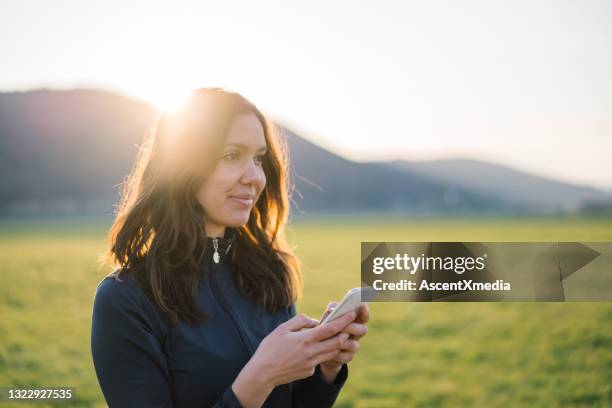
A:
[245,147]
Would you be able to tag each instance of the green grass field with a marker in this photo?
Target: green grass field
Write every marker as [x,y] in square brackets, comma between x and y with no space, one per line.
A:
[416,354]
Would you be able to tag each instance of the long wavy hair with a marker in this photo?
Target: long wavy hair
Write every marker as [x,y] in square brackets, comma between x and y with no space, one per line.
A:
[158,234]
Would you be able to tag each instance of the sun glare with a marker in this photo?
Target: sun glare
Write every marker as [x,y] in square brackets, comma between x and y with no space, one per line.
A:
[169,100]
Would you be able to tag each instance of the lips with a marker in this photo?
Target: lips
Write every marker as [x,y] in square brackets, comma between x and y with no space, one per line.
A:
[243,199]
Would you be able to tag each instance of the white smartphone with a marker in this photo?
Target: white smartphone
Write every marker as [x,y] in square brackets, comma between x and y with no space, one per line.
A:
[351,301]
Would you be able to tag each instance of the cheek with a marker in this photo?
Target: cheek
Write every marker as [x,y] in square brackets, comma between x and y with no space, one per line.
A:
[213,192]
[209,195]
[261,184]
[217,184]
[202,194]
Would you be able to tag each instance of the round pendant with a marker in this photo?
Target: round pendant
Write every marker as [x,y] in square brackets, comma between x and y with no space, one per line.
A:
[216,257]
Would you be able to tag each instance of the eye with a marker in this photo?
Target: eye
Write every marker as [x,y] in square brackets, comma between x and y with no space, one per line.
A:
[260,159]
[231,156]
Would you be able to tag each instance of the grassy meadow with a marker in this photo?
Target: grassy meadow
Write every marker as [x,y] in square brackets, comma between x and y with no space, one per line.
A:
[416,354]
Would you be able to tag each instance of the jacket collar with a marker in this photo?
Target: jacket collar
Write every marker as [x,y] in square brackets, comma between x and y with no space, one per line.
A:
[224,246]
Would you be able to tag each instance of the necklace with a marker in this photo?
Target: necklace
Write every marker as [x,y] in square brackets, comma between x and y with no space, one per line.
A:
[216,256]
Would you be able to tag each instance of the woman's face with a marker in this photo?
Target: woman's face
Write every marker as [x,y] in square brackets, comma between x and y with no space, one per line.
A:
[229,193]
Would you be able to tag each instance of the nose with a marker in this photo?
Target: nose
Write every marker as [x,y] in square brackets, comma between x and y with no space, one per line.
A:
[252,174]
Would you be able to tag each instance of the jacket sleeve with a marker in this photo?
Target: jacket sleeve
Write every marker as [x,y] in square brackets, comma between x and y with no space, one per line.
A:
[313,391]
[228,400]
[126,345]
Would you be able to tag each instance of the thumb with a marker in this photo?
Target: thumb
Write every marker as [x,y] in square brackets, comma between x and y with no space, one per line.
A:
[297,323]
[330,307]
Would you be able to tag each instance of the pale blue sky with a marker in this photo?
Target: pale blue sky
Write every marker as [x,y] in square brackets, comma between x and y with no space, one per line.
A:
[522,83]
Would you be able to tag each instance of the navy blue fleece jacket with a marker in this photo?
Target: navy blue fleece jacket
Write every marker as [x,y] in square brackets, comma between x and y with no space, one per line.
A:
[143,361]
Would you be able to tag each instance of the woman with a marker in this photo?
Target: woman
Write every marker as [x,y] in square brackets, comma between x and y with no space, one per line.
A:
[200,310]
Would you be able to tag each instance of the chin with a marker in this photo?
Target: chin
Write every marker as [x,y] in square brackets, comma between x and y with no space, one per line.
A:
[238,220]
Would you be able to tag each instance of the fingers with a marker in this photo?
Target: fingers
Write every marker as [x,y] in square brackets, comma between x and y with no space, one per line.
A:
[297,323]
[342,341]
[351,346]
[334,343]
[330,355]
[327,330]
[344,355]
[330,307]
[356,330]
[363,314]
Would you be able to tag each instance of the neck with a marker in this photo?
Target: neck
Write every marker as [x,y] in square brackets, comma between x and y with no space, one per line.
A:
[214,231]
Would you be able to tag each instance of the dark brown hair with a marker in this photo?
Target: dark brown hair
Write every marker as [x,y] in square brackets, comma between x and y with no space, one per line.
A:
[158,233]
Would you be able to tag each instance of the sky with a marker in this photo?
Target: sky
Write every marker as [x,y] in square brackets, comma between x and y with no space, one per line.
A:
[521,83]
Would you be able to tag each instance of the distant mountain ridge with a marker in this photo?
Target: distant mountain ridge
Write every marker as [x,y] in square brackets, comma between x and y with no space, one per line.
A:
[513,186]
[327,182]
[60,149]
[66,152]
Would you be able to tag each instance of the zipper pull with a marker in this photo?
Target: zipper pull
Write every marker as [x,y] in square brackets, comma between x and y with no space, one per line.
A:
[216,254]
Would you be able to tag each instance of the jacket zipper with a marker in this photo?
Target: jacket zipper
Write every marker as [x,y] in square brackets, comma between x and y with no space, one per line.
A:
[227,309]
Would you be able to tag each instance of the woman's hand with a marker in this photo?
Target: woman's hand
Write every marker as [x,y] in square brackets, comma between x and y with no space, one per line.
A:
[289,353]
[356,330]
